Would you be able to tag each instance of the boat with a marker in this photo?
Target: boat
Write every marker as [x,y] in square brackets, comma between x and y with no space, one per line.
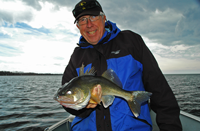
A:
[189,123]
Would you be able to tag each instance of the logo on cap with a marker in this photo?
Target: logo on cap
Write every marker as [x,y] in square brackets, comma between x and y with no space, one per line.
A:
[82,4]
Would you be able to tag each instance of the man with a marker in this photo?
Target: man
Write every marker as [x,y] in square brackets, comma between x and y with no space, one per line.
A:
[104,46]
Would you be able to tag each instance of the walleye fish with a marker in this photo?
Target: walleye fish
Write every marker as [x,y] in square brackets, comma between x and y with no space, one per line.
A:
[77,93]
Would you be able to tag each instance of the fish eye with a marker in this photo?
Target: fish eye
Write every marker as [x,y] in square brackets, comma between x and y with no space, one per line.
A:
[68,92]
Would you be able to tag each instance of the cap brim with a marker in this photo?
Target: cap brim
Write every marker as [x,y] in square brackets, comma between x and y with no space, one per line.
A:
[88,12]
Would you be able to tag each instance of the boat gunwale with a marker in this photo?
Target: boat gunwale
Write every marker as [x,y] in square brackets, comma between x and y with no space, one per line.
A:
[184,116]
[196,118]
[69,118]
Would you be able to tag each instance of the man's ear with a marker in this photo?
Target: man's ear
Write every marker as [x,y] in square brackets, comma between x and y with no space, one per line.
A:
[77,26]
[104,17]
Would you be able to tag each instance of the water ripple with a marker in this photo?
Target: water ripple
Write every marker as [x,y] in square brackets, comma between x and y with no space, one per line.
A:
[27,104]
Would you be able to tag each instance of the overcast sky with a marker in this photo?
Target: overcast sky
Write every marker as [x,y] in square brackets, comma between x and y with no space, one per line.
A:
[40,35]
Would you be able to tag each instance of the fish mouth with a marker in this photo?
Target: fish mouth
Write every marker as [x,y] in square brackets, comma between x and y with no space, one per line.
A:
[64,99]
[80,104]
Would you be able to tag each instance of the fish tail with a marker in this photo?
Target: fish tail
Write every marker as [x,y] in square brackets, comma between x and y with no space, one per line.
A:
[137,98]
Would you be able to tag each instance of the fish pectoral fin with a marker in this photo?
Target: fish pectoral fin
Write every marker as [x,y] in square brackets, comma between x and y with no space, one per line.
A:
[107,100]
[93,101]
[96,95]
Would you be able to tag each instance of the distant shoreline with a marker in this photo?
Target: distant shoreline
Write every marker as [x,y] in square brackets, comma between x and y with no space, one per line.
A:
[8,73]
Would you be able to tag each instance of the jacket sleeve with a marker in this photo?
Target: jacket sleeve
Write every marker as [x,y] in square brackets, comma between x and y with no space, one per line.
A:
[69,73]
[162,101]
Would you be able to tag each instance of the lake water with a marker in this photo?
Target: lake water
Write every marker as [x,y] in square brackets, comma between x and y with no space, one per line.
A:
[26,102]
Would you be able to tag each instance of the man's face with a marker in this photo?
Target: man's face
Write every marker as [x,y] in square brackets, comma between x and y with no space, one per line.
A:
[93,31]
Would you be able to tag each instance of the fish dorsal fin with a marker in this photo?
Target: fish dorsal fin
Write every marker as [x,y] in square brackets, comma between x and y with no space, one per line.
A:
[81,70]
[112,76]
[107,100]
[88,72]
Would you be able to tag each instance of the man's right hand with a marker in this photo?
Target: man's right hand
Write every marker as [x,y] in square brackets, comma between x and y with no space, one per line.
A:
[97,91]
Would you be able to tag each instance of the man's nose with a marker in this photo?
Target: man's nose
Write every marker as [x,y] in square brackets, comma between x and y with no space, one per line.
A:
[89,23]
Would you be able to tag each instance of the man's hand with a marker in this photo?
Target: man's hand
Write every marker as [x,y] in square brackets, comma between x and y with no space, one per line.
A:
[97,91]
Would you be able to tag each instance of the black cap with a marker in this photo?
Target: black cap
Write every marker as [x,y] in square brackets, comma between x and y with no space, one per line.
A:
[87,7]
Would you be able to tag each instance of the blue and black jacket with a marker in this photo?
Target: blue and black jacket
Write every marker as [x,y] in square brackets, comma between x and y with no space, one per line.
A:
[125,53]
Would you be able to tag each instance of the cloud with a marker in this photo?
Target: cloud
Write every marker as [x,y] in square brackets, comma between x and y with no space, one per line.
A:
[66,3]
[177,48]
[41,45]
[176,51]
[34,3]
[189,23]
[57,4]
[14,11]
[198,1]
[35,53]
[39,35]
[178,66]
[171,27]
[5,34]
[156,19]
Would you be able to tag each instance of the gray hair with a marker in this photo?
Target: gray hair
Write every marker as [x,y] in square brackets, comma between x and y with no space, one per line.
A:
[101,14]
